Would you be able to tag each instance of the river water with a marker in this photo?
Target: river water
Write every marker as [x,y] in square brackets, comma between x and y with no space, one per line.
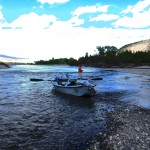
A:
[34,116]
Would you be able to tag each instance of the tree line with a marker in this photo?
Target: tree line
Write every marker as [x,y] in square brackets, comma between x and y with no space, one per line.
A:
[106,56]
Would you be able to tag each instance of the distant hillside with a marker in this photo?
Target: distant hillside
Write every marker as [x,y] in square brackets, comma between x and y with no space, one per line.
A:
[137,46]
[10,59]
[5,56]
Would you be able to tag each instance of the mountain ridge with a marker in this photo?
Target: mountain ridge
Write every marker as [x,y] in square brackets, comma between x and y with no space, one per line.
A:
[143,45]
[11,57]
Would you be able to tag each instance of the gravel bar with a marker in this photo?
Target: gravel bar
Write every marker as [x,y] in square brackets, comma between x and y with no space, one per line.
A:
[127,129]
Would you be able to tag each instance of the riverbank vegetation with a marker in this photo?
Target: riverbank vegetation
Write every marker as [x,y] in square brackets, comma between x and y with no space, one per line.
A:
[106,56]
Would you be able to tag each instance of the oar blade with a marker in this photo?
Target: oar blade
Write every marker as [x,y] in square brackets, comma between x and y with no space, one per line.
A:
[97,78]
[36,80]
[62,80]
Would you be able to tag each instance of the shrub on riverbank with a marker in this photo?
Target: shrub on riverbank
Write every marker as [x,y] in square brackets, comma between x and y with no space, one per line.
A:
[107,56]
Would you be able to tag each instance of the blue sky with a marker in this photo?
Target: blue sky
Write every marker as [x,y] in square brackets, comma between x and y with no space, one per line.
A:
[43,29]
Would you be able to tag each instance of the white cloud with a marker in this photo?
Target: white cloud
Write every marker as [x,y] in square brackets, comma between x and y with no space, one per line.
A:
[90,9]
[75,21]
[105,17]
[32,21]
[139,18]
[52,1]
[128,10]
[61,38]
[2,20]
[139,7]
[1,16]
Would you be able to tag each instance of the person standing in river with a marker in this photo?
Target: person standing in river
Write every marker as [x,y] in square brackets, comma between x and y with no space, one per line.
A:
[80,69]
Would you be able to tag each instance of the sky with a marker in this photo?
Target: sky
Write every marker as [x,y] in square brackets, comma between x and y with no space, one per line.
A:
[46,29]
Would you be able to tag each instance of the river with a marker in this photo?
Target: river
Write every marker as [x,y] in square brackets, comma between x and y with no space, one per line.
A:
[34,116]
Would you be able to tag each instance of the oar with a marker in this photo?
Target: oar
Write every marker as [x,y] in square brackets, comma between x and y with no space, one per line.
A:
[63,80]
[91,78]
[96,78]
[36,80]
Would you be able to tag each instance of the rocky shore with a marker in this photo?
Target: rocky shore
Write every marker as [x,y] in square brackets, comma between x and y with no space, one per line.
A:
[3,65]
[127,128]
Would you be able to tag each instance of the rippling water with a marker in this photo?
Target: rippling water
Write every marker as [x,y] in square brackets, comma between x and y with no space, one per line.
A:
[34,116]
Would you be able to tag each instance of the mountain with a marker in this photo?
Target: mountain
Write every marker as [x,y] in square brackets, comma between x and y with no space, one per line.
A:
[5,56]
[143,45]
[11,59]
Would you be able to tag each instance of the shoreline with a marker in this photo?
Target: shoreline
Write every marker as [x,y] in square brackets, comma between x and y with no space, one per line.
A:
[127,128]
[137,70]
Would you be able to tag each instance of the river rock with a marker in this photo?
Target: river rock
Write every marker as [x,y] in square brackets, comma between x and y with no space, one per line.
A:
[4,65]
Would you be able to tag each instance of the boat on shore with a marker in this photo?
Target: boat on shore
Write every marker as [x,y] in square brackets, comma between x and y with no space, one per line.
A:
[74,87]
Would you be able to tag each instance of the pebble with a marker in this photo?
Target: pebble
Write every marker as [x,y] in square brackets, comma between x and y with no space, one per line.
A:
[129,129]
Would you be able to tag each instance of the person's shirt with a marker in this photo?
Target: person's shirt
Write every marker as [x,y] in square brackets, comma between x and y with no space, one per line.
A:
[80,69]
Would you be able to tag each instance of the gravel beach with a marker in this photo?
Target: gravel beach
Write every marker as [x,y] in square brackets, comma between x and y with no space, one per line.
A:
[129,127]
